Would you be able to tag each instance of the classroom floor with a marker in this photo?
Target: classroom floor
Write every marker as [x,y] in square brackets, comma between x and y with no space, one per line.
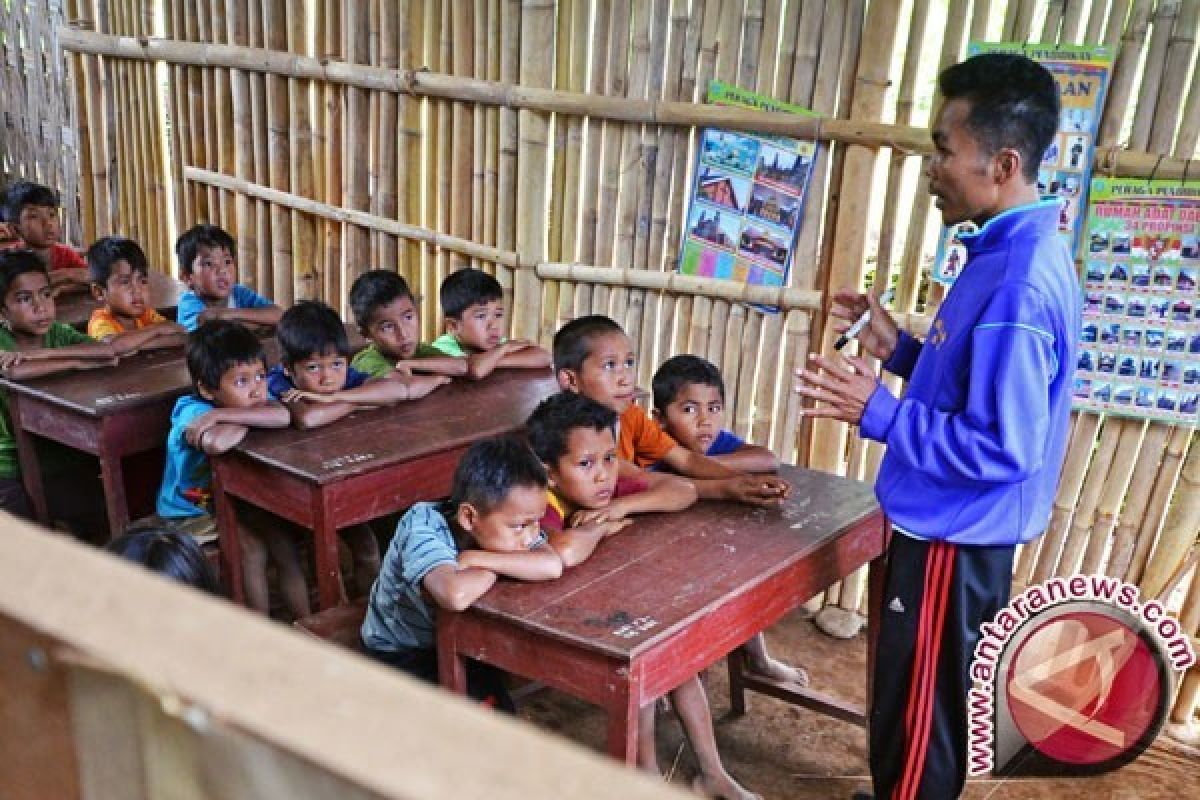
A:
[783,752]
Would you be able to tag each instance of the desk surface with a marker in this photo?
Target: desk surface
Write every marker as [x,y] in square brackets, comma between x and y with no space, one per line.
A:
[453,416]
[75,307]
[665,571]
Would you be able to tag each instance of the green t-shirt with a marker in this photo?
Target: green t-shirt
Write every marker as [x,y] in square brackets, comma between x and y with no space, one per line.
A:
[447,345]
[377,365]
[59,335]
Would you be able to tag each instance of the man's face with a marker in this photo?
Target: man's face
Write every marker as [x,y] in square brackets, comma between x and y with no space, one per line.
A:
[959,172]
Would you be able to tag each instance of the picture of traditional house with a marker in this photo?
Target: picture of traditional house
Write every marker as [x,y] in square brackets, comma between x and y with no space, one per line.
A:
[707,226]
[781,167]
[774,207]
[721,189]
[756,241]
[1187,281]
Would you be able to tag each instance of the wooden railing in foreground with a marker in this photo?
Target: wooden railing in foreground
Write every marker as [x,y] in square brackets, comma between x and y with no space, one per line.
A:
[117,684]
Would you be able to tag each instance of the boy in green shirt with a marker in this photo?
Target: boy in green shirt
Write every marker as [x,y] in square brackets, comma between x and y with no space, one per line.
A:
[386,313]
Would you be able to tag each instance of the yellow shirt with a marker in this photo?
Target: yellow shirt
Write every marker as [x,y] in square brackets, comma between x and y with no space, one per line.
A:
[104,323]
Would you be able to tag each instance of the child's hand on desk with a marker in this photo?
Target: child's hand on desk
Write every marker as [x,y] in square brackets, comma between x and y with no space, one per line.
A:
[200,426]
[613,512]
[476,559]
[404,368]
[421,385]
[298,395]
[757,490]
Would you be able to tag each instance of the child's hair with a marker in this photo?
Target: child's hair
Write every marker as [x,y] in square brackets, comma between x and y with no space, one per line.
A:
[1014,103]
[552,421]
[310,327]
[175,555]
[573,342]
[216,347]
[492,468]
[188,245]
[679,371]
[14,263]
[373,289]
[465,288]
[24,193]
[107,251]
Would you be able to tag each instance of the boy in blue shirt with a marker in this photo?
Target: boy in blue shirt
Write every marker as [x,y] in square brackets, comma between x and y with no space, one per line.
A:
[225,361]
[208,265]
[453,552]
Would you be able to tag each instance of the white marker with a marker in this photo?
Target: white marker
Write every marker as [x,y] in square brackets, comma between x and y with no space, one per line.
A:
[862,321]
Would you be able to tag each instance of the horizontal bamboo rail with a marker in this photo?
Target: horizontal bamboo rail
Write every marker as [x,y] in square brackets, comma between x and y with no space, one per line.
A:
[905,138]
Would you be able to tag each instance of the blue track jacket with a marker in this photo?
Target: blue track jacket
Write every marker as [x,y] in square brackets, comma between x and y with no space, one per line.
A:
[975,446]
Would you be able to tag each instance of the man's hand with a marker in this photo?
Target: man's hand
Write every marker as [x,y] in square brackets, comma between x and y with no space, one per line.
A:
[842,386]
[880,335]
[757,490]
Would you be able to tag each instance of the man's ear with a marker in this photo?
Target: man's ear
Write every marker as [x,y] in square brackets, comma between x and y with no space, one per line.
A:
[568,379]
[1006,165]
[467,515]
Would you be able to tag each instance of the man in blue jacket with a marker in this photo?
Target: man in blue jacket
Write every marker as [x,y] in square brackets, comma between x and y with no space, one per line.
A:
[975,445]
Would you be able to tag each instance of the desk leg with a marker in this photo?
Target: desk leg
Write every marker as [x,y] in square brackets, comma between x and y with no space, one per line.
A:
[325,551]
[112,477]
[31,467]
[876,575]
[229,540]
[736,662]
[623,711]
[452,667]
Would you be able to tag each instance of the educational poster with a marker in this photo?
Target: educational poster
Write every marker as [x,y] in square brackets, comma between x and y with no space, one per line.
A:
[747,198]
[1082,74]
[1139,352]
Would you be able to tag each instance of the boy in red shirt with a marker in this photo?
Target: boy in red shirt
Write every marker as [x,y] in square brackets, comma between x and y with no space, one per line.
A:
[30,216]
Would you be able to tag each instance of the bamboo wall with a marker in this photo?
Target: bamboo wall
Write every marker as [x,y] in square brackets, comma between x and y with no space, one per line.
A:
[522,136]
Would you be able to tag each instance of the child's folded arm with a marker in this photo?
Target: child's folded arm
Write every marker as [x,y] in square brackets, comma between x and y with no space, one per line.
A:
[575,544]
[375,392]
[480,365]
[749,458]
[306,414]
[455,587]
[26,369]
[539,564]
[437,365]
[528,356]
[756,490]
[663,493]
[154,336]
[695,465]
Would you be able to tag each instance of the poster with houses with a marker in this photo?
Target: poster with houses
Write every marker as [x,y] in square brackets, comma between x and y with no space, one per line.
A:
[747,198]
[1139,352]
[1082,74]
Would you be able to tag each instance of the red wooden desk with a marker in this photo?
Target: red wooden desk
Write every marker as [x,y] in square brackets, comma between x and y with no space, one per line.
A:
[366,465]
[75,307]
[111,413]
[669,596]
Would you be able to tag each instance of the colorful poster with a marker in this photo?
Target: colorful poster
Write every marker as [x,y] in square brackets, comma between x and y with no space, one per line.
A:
[1139,352]
[747,198]
[1082,75]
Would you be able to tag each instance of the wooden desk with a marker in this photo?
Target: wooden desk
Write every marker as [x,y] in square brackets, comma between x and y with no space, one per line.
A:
[366,465]
[669,596]
[111,413]
[75,307]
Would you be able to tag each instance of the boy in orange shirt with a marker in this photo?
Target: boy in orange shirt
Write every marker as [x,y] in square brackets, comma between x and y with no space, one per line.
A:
[120,281]
[30,217]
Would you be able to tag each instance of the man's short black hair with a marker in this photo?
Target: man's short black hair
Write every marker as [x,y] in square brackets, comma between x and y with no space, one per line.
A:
[216,347]
[491,469]
[1014,103]
[188,245]
[106,252]
[24,193]
[14,263]
[679,371]
[465,288]
[551,423]
[310,328]
[373,289]
[573,342]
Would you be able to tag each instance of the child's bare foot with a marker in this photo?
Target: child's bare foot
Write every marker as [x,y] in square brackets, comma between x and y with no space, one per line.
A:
[723,787]
[778,671]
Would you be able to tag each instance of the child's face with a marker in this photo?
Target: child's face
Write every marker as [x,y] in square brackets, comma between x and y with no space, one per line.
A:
[320,373]
[39,226]
[510,527]
[586,474]
[607,375]
[694,417]
[29,304]
[395,328]
[481,326]
[241,386]
[213,274]
[126,291]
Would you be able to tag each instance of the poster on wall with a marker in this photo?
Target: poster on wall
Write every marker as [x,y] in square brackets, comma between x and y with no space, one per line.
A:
[1139,352]
[747,198]
[1082,75]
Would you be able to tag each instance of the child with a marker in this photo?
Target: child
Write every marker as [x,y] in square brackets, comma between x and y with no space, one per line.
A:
[594,357]
[120,281]
[225,361]
[689,403]
[208,265]
[576,439]
[30,212]
[472,305]
[386,313]
[170,553]
[455,551]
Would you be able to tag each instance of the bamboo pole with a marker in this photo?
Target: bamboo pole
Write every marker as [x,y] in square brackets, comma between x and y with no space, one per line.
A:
[279,157]
[384,198]
[355,241]
[506,210]
[1175,77]
[589,191]
[478,119]
[409,205]
[442,172]
[261,270]
[616,73]
[552,292]
[1116,483]
[1180,531]
[1089,498]
[306,281]
[678,283]
[1137,498]
[1055,10]
[462,62]
[1164,488]
[208,122]
[1070,484]
[1129,57]
[1071,22]
[572,157]
[1146,111]
[78,67]
[332,125]
[222,120]
[1189,129]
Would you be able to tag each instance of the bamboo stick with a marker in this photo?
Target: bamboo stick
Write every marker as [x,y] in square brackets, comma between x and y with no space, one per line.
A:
[616,74]
[1189,129]
[506,216]
[1137,498]
[492,129]
[1097,16]
[333,98]
[1071,22]
[306,284]
[1179,533]
[551,290]
[222,119]
[260,270]
[1146,110]
[1055,9]
[1070,485]
[462,62]
[1164,488]
[478,118]
[1117,482]
[1175,77]
[208,122]
[384,198]
[576,73]
[442,173]
[412,56]
[279,155]
[589,191]
[356,242]
[78,68]
[1089,498]
[1129,57]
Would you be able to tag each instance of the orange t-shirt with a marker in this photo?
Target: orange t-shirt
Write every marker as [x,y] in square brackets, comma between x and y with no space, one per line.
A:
[641,440]
[104,323]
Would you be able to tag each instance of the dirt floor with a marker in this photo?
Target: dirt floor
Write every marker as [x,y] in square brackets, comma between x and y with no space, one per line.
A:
[782,752]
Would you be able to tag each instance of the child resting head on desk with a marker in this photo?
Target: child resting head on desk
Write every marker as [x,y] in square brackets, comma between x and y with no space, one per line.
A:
[229,376]
[454,552]
[594,357]
[689,402]
[387,315]
[121,284]
[208,265]
[30,215]
[575,438]
[473,305]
